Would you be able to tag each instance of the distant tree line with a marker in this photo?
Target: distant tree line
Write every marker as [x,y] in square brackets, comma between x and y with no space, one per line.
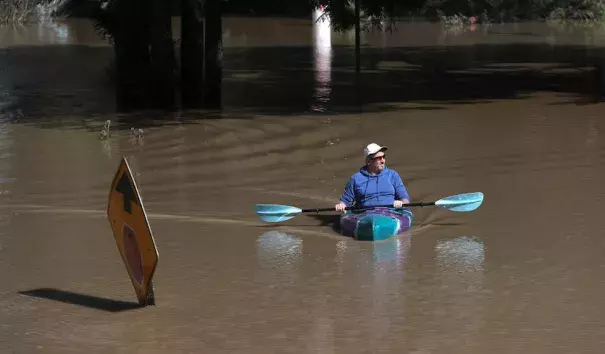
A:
[148,73]
[342,10]
[379,12]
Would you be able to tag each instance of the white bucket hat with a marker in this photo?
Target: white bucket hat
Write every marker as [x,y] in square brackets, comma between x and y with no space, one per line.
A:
[372,149]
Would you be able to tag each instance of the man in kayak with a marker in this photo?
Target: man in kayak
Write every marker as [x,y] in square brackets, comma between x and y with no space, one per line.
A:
[374,184]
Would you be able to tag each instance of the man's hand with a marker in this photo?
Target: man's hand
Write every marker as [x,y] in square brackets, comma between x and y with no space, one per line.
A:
[340,207]
[400,203]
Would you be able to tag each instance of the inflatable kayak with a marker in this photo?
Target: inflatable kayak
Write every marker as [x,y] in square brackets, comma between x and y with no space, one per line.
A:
[375,224]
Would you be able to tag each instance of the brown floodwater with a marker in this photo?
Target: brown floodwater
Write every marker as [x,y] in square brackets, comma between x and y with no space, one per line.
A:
[508,110]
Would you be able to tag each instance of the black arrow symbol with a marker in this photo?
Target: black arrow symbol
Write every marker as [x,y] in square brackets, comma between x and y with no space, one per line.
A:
[127,191]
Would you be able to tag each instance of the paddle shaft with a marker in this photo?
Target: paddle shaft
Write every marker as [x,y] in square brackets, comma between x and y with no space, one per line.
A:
[420,204]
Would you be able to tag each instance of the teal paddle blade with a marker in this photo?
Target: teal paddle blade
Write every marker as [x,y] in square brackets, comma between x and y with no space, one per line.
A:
[461,202]
[276,212]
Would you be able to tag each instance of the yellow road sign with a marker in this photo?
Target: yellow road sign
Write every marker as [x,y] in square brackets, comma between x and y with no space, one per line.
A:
[132,233]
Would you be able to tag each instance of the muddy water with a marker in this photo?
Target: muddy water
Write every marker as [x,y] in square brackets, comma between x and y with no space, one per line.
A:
[522,274]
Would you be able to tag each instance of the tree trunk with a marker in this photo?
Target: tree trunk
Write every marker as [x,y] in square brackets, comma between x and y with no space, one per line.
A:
[358,81]
[131,39]
[214,54]
[357,39]
[192,53]
[161,55]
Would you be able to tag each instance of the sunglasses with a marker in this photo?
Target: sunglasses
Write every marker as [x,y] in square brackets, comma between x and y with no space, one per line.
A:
[379,157]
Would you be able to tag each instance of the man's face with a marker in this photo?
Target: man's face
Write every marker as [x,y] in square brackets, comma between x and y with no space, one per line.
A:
[377,162]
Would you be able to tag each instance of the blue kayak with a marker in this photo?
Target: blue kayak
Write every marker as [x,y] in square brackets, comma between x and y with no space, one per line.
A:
[375,224]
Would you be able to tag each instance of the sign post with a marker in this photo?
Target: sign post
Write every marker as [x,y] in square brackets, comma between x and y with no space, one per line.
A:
[132,233]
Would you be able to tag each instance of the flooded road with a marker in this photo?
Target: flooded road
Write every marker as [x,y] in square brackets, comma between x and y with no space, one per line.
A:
[522,274]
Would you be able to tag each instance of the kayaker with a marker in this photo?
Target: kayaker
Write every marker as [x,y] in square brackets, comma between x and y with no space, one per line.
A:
[374,184]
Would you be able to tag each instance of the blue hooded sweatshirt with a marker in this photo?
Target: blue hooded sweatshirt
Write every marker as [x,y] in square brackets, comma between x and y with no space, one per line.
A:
[366,189]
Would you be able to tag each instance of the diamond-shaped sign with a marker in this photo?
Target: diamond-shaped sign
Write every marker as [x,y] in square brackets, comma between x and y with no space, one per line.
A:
[132,233]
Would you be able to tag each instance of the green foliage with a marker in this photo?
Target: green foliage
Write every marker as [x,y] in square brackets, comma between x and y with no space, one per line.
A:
[104,19]
[16,11]
[376,13]
[373,13]
[576,10]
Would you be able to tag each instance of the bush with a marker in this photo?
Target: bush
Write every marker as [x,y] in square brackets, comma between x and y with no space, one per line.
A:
[578,10]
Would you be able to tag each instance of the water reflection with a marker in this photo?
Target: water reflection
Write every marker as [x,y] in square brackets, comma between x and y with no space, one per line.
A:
[6,153]
[322,54]
[279,251]
[386,284]
[592,135]
[462,255]
[51,32]
[393,251]
[322,335]
[58,32]
[460,266]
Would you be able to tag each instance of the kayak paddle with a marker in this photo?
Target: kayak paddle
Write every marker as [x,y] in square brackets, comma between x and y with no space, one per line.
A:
[459,203]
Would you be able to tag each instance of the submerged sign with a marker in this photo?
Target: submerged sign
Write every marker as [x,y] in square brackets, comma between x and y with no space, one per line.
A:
[132,233]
